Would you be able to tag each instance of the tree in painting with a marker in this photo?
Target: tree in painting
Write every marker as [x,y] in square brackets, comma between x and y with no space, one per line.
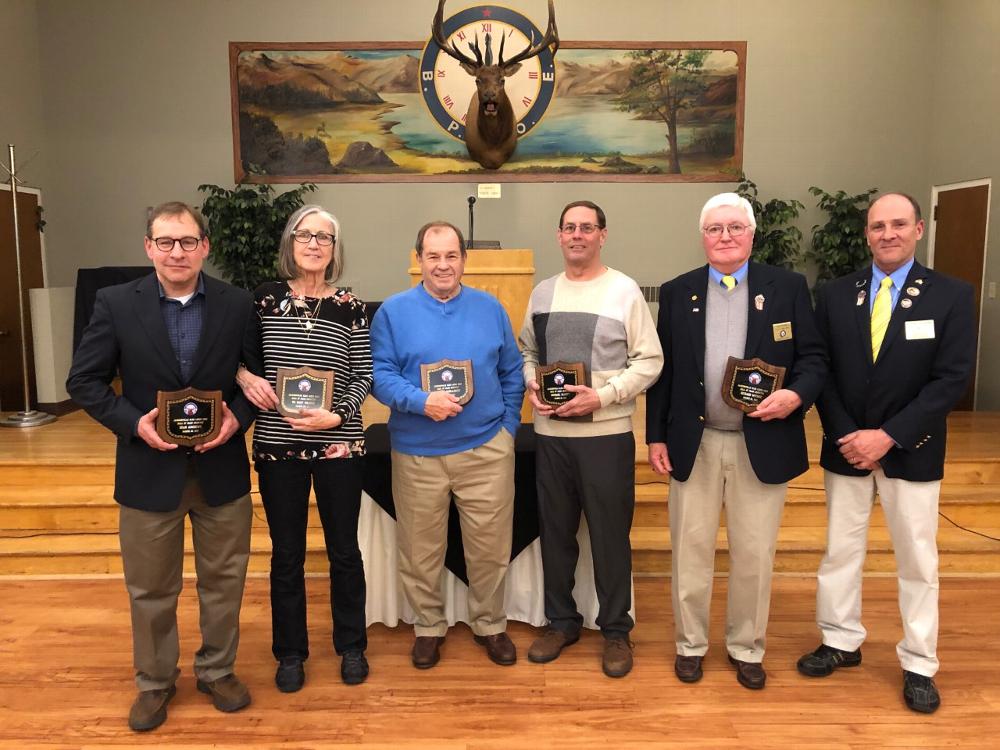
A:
[662,82]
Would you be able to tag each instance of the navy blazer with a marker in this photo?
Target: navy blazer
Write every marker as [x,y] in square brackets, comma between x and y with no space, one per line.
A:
[909,390]
[127,336]
[675,405]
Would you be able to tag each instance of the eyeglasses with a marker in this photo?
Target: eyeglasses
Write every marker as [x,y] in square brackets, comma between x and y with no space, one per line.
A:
[716,230]
[322,238]
[584,228]
[166,244]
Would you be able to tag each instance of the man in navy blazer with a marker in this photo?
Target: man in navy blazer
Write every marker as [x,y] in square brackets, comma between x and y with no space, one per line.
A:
[175,328]
[902,347]
[718,456]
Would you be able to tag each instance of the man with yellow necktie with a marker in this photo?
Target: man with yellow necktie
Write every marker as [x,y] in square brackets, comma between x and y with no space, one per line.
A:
[716,455]
[901,340]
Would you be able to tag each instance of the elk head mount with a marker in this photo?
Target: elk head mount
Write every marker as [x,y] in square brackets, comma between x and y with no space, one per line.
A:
[490,126]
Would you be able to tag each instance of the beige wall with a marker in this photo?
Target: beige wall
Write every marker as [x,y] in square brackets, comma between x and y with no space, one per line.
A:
[965,142]
[137,110]
[21,120]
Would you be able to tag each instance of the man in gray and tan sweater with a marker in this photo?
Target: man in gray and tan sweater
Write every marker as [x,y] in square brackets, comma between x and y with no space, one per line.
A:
[585,457]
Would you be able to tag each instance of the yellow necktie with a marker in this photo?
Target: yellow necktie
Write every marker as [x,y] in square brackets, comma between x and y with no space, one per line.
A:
[881,312]
[729,282]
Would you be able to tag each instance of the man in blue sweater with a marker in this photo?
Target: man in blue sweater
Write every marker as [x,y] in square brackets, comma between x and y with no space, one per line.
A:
[452,430]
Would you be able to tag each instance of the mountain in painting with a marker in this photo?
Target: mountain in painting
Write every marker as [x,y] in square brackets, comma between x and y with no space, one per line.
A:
[575,79]
[330,80]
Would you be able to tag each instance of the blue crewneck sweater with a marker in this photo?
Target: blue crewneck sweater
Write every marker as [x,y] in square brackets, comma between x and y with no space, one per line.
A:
[413,328]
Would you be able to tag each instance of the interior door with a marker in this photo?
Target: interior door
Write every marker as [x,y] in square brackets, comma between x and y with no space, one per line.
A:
[11,370]
[960,248]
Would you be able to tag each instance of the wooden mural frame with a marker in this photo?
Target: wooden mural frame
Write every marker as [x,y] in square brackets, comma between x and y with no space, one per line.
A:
[728,170]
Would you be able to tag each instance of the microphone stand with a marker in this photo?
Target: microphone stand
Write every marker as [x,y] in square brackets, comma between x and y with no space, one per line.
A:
[472,222]
[28,417]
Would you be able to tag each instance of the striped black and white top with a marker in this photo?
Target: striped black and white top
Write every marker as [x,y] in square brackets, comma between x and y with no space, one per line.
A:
[337,340]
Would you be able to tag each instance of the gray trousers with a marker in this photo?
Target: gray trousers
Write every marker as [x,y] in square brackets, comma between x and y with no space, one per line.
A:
[152,547]
[595,476]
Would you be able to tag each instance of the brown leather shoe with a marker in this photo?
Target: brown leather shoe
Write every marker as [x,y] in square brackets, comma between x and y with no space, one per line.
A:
[426,651]
[550,645]
[499,647]
[150,709]
[228,693]
[617,660]
[688,668]
[750,675]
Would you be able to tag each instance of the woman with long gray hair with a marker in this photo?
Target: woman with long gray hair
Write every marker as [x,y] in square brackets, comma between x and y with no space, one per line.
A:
[305,319]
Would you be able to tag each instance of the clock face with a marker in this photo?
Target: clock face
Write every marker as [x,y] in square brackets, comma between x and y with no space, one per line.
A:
[447,89]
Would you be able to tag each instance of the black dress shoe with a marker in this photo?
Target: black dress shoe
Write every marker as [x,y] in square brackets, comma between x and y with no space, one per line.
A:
[825,659]
[353,667]
[688,668]
[920,693]
[749,674]
[291,674]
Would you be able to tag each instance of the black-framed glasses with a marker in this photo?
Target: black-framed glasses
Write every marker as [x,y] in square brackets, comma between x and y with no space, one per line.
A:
[584,228]
[715,230]
[322,238]
[166,244]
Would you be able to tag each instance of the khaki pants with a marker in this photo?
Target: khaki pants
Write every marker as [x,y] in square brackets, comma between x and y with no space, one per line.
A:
[722,477]
[911,512]
[482,480]
[152,547]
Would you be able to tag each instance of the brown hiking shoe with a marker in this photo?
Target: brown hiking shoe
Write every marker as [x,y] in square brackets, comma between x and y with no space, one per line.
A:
[617,661]
[550,645]
[150,709]
[228,693]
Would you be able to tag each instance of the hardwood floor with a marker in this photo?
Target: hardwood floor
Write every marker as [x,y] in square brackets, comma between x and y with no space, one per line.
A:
[66,681]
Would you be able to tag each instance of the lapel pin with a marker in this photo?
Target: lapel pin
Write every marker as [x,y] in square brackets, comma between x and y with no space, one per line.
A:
[860,282]
[912,291]
[758,302]
[861,298]
[906,303]
[695,309]
[694,297]
[918,281]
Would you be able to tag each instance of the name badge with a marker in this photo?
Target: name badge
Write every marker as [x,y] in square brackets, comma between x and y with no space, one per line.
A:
[782,331]
[919,329]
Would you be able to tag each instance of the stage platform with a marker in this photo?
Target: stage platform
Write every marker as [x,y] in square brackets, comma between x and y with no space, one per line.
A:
[58,515]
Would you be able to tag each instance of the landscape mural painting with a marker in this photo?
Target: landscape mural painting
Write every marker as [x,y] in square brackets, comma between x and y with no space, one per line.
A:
[623,111]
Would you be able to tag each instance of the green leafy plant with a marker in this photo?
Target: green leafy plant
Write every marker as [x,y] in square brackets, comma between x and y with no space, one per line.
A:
[776,241]
[244,225]
[838,246]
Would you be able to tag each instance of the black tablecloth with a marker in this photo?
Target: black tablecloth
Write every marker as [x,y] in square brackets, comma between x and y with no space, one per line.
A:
[378,484]
[88,281]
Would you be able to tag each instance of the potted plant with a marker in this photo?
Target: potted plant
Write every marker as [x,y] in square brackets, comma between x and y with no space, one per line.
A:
[245,226]
[776,241]
[839,246]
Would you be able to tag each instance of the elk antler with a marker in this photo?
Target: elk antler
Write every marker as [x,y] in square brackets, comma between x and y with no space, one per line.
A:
[551,38]
[437,33]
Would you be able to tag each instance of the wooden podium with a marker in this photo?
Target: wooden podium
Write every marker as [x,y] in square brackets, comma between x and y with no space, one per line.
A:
[509,275]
